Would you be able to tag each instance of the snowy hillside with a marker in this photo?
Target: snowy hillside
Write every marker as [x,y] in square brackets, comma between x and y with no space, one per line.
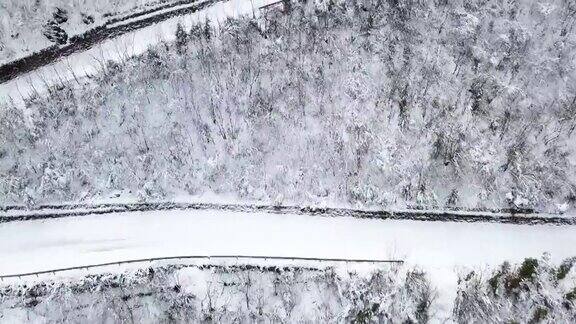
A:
[365,102]
[366,161]
[531,292]
[224,295]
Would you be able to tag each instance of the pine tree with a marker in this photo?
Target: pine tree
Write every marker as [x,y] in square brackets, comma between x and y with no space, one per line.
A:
[181,39]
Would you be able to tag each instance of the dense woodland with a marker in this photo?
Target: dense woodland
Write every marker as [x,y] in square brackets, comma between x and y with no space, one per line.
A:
[377,103]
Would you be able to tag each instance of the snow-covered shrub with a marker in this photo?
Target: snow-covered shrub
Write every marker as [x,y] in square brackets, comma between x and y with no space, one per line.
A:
[223,294]
[372,301]
[367,102]
[531,292]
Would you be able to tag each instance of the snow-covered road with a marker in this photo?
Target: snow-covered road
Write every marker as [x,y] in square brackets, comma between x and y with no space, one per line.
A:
[41,245]
[440,248]
[48,244]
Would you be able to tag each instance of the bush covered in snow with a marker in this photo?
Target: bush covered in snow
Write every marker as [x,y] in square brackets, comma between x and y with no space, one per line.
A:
[429,103]
[531,292]
[233,294]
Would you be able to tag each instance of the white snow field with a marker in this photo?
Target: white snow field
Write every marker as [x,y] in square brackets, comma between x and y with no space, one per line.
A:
[442,249]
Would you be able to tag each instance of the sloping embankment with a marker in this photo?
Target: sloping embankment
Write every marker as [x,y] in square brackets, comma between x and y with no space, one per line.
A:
[49,211]
[240,293]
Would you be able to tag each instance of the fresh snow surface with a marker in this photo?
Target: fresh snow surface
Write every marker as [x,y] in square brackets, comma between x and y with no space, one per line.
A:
[88,62]
[442,249]
[155,13]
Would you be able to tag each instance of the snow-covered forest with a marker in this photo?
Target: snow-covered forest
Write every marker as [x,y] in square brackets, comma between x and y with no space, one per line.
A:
[385,103]
[395,161]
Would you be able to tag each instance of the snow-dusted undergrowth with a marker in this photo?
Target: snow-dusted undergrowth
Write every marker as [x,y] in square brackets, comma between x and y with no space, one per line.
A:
[532,292]
[375,102]
[223,294]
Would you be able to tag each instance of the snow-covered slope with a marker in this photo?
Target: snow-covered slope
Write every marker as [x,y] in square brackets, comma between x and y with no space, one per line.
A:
[534,291]
[222,294]
[458,104]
